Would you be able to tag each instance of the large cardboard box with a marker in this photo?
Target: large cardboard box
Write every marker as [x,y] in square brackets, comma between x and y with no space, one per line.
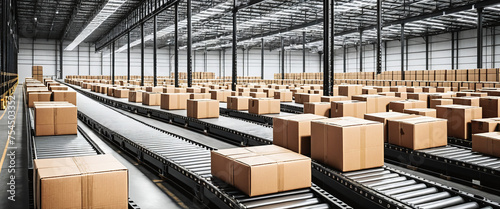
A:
[151,98]
[429,89]
[383,88]
[55,118]
[310,98]
[347,143]
[98,181]
[169,89]
[180,90]
[469,101]
[135,96]
[294,132]
[157,89]
[318,108]
[220,95]
[471,94]
[121,93]
[400,106]
[398,89]
[401,95]
[414,89]
[60,96]
[41,96]
[491,106]
[366,90]
[270,93]
[199,96]
[202,108]
[175,101]
[484,125]
[333,98]
[350,90]
[193,90]
[383,117]
[459,119]
[258,95]
[264,106]
[238,102]
[429,112]
[60,88]
[487,143]
[346,108]
[443,89]
[418,96]
[283,96]
[435,102]
[375,103]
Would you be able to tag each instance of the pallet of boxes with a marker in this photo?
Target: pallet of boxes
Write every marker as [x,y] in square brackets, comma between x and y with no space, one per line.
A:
[37,72]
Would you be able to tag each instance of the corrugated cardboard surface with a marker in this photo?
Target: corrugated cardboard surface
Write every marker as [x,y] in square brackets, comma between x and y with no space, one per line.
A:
[318,108]
[418,96]
[202,108]
[310,98]
[429,112]
[469,101]
[487,143]
[369,91]
[175,101]
[135,96]
[294,132]
[398,89]
[347,143]
[383,117]
[350,90]
[375,103]
[199,96]
[238,102]
[436,102]
[38,97]
[80,182]
[55,118]
[220,95]
[258,94]
[414,89]
[333,98]
[459,118]
[484,125]
[283,96]
[121,93]
[400,106]
[264,106]
[157,89]
[491,107]
[346,108]
[151,98]
[419,133]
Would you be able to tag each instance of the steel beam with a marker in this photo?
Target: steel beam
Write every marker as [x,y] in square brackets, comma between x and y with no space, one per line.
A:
[220,63]
[235,48]
[243,60]
[303,51]
[426,52]
[493,44]
[282,58]
[360,51]
[176,45]
[378,68]
[189,44]
[61,60]
[128,56]
[224,63]
[205,60]
[479,37]
[331,47]
[385,59]
[142,54]
[326,46]
[452,50]
[155,57]
[402,48]
[345,59]
[113,63]
[262,58]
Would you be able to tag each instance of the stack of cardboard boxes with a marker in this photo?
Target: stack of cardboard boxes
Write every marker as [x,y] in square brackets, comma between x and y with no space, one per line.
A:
[37,73]
[55,118]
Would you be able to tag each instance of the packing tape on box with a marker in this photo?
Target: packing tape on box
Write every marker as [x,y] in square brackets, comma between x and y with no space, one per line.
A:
[362,153]
[281,176]
[86,183]
[325,142]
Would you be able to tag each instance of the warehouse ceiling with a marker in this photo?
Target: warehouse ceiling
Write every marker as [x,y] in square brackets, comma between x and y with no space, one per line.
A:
[267,19]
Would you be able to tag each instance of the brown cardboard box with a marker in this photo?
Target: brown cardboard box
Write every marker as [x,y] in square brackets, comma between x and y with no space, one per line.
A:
[283,96]
[60,88]
[346,108]
[180,90]
[398,89]
[310,98]
[220,95]
[459,118]
[111,91]
[242,89]
[350,90]
[222,165]
[264,106]
[414,89]
[135,96]
[400,106]
[199,96]
[318,108]
[333,98]
[418,96]
[401,95]
[443,89]
[121,93]
[487,143]
[202,108]
[157,89]
[38,97]
[238,102]
[347,143]
[55,118]
[469,101]
[383,117]
[391,94]
[484,125]
[432,96]
[419,133]
[368,91]
[193,90]
[429,89]
[375,103]
[59,96]
[382,88]
[436,102]
[258,95]
[175,101]
[169,89]
[151,98]
[491,107]
[471,94]
[256,90]
[294,132]
[270,93]
[429,112]
[98,181]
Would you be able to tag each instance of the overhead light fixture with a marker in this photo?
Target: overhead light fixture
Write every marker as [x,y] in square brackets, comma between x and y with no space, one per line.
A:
[35,19]
[106,11]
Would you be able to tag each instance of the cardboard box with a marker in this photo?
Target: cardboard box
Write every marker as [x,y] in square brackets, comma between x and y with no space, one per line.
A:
[437,96]
[238,102]
[436,102]
[258,95]
[347,143]
[471,94]
[459,119]
[333,98]
[180,90]
[294,132]
[151,98]
[469,101]
[418,96]
[487,143]
[270,93]
[60,96]
[414,89]
[283,96]
[98,181]
[264,106]
[304,98]
[429,112]
[350,90]
[169,89]
[220,95]
[60,88]
[400,106]
[318,108]
[383,117]
[202,108]
[55,118]
[135,96]
[199,96]
[368,91]
[401,95]
[418,133]
[484,125]
[490,106]
[398,89]
[443,89]
[375,103]
[157,89]
[193,90]
[346,108]
[121,93]
[175,101]
[382,88]
[38,97]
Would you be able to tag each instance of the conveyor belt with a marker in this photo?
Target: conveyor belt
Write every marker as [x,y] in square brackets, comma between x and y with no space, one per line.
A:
[266,120]
[292,107]
[189,163]
[356,193]
[459,163]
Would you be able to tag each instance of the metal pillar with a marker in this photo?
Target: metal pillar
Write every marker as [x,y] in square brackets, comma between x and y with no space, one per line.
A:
[282,58]
[452,50]
[205,60]
[243,61]
[378,47]
[402,48]
[426,52]
[224,63]
[189,45]
[142,54]
[248,62]
[327,45]
[77,58]
[303,51]
[480,38]
[194,60]
[128,56]
[220,63]
[345,59]
[235,48]
[262,58]
[385,61]
[155,61]
[493,45]
[61,60]
[360,51]
[176,45]
[89,58]
[113,63]
[407,45]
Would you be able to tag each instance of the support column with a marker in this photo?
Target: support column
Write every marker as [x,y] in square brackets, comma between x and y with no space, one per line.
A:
[113,63]
[385,60]
[402,48]
[452,50]
[493,45]
[479,38]
[262,58]
[155,61]
[379,41]
[327,15]
[360,51]
[235,48]
[426,52]
[142,54]
[61,60]
[176,45]
[220,63]
[243,61]
[223,63]
[89,58]
[205,60]
[189,45]
[303,51]
[345,59]
[282,58]
[128,56]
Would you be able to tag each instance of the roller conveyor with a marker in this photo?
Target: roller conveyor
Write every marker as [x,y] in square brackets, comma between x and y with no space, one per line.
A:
[189,163]
[266,120]
[456,162]
[292,107]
